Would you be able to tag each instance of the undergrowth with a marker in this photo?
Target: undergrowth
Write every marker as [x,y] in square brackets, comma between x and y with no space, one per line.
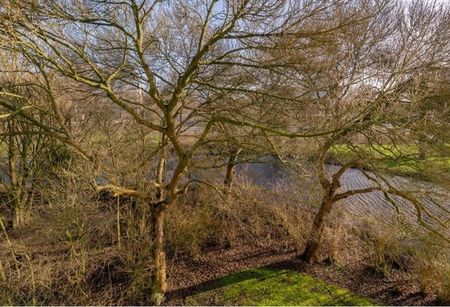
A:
[81,248]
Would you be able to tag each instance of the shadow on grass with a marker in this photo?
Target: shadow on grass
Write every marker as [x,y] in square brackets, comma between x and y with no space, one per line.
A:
[271,286]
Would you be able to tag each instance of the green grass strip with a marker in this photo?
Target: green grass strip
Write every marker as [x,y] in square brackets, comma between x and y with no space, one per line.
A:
[274,287]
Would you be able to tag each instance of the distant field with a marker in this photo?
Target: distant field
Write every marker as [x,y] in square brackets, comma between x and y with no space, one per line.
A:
[274,287]
[402,160]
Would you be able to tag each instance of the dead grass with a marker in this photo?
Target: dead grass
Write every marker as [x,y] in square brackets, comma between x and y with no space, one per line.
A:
[70,252]
[80,249]
[421,260]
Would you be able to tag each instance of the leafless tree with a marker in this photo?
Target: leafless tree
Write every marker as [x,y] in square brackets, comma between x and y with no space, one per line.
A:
[173,54]
[380,102]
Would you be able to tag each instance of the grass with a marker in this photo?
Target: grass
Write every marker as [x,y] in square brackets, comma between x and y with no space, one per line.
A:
[402,159]
[271,286]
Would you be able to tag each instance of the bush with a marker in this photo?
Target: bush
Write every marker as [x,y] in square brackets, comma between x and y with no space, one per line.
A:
[388,248]
[432,272]
[419,260]
[204,220]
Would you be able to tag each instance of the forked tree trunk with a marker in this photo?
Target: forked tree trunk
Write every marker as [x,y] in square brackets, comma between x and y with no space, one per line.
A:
[159,279]
[315,236]
[230,167]
[159,179]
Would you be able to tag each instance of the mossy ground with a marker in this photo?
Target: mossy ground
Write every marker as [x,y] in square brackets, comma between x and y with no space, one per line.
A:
[271,286]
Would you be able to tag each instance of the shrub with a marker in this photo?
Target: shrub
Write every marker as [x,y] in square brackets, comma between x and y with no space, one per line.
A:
[388,248]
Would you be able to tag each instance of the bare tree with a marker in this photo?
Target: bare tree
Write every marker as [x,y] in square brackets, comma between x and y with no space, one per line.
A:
[26,146]
[172,54]
[377,113]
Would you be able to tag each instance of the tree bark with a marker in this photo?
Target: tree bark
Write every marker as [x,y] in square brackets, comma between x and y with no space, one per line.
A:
[315,236]
[159,279]
[161,168]
[18,214]
[230,167]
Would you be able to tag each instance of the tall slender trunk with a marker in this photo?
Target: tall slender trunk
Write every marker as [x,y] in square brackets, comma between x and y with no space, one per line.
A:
[21,205]
[310,252]
[159,278]
[230,167]
[19,216]
[161,168]
[18,211]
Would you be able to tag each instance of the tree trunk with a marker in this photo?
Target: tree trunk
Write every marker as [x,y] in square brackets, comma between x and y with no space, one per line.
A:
[230,167]
[315,236]
[159,277]
[161,169]
[19,215]
[159,280]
